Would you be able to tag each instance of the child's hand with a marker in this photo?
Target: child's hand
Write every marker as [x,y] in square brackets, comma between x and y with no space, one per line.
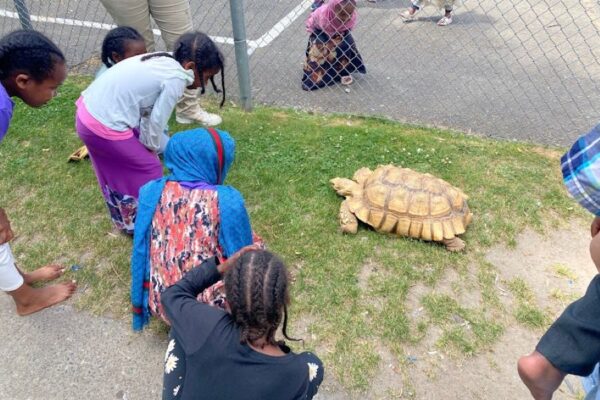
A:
[226,266]
[595,228]
[6,233]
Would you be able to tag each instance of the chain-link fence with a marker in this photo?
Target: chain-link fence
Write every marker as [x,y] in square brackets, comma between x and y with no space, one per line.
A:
[523,69]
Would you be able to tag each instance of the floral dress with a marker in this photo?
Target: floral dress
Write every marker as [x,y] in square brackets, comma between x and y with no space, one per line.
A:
[184,233]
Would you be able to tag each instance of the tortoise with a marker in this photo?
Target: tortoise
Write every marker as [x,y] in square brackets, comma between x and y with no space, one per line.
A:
[404,202]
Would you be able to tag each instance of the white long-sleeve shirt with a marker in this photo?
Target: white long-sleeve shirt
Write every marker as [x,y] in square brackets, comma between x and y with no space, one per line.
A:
[138,94]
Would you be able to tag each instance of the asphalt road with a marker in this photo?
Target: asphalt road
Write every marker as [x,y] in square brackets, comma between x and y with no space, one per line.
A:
[62,354]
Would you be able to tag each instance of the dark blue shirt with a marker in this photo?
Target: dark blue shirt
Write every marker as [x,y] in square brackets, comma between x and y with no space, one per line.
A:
[218,366]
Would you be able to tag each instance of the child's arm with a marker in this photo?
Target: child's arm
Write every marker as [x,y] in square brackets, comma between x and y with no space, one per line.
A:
[595,251]
[153,126]
[6,233]
[180,300]
[191,320]
[595,228]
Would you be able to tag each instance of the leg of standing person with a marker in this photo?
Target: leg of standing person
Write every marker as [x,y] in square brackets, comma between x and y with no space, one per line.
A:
[409,13]
[134,13]
[174,18]
[447,18]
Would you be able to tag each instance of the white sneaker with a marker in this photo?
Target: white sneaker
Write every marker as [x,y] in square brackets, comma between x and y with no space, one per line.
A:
[199,116]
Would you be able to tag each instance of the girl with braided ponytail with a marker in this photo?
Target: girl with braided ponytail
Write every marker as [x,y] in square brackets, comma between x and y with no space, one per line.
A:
[214,354]
[122,115]
[31,68]
[119,43]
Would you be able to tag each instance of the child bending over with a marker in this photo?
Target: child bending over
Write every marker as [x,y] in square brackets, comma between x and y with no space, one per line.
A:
[122,115]
[31,68]
[119,43]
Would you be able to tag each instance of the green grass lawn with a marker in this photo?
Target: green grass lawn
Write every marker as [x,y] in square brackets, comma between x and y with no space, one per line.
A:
[349,293]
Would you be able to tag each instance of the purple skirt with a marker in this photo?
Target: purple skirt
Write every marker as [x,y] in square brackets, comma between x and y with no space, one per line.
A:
[122,168]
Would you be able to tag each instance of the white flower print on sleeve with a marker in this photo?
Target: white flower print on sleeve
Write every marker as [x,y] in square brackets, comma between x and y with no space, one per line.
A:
[171,363]
[170,348]
[176,390]
[312,371]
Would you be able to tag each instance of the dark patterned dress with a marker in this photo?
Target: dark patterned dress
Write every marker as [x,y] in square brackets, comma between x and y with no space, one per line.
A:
[328,59]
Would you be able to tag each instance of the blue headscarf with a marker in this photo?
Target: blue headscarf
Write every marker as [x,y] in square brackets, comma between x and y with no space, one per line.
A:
[191,156]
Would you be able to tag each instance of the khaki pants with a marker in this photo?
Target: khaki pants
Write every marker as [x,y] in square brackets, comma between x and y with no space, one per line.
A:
[173,18]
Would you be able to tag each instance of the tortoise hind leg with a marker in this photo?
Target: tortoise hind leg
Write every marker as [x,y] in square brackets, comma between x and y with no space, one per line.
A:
[348,221]
[454,244]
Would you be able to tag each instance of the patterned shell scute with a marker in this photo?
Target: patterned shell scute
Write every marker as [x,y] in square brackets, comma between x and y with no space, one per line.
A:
[409,203]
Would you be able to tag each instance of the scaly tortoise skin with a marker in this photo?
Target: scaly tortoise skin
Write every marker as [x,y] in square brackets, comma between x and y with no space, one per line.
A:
[405,203]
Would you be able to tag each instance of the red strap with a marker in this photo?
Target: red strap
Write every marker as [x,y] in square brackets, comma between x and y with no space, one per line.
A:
[220,153]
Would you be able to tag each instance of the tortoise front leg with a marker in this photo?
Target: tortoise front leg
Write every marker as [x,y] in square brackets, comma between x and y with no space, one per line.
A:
[348,220]
[454,244]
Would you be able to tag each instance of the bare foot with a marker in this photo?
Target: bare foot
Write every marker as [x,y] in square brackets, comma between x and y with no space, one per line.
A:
[30,300]
[46,273]
[539,375]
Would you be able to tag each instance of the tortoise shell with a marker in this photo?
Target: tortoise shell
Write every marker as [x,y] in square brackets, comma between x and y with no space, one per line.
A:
[408,203]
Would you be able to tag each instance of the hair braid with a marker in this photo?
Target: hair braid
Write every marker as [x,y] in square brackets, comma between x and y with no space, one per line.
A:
[196,51]
[235,295]
[257,292]
[256,314]
[159,54]
[270,294]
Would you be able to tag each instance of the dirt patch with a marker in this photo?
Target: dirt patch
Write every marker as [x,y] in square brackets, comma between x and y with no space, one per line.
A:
[414,309]
[557,261]
[550,153]
[280,116]
[461,287]
[541,261]
[388,382]
[370,273]
[492,375]
[368,268]
[344,122]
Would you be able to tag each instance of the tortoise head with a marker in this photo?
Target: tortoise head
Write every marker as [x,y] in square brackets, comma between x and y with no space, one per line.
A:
[343,187]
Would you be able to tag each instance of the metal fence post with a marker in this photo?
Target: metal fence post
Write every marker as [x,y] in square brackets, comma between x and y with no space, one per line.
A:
[24,16]
[241,52]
